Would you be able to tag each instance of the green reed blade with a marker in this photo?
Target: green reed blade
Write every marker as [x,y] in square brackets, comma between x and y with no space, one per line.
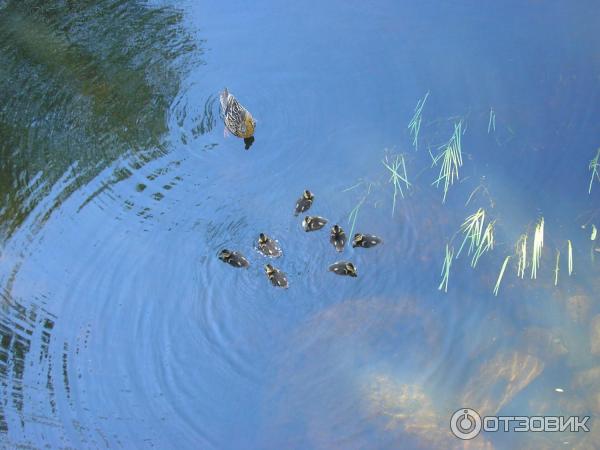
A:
[446,268]
[594,166]
[538,244]
[472,228]
[486,243]
[415,123]
[556,269]
[451,157]
[396,178]
[500,275]
[492,121]
[354,213]
[570,257]
[522,255]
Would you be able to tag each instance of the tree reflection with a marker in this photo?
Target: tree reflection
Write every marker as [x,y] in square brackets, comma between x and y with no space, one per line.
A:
[82,84]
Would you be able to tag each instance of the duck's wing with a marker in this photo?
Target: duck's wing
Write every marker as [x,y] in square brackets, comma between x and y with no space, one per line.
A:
[224,98]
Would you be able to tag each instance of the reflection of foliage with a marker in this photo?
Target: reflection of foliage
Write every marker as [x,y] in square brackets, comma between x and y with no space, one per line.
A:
[81,84]
[18,324]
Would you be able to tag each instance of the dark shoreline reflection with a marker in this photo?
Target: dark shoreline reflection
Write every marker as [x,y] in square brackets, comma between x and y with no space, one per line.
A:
[82,84]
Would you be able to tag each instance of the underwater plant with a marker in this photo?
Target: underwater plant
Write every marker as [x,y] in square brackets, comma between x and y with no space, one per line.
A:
[594,166]
[522,255]
[396,177]
[354,213]
[485,191]
[415,123]
[538,244]
[556,269]
[485,244]
[500,275]
[492,121]
[570,257]
[451,157]
[480,240]
[446,268]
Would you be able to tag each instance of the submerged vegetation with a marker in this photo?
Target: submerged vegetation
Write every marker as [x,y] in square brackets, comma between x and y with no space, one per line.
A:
[492,121]
[556,269]
[538,244]
[522,255]
[451,156]
[500,275]
[396,176]
[446,268]
[480,240]
[594,166]
[570,257]
[354,213]
[477,231]
[414,125]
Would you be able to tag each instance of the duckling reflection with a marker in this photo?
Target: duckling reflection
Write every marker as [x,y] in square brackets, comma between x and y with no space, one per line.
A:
[365,240]
[234,259]
[276,276]
[268,247]
[313,223]
[304,202]
[338,238]
[238,119]
[343,268]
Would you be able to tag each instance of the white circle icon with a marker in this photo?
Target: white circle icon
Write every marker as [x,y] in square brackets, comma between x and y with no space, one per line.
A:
[465,423]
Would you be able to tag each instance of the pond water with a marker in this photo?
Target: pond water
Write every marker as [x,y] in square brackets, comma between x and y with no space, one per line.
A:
[120,327]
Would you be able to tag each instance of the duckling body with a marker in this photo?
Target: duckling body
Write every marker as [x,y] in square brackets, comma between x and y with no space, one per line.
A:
[235,259]
[337,238]
[304,202]
[268,247]
[365,240]
[238,119]
[276,276]
[313,223]
[344,268]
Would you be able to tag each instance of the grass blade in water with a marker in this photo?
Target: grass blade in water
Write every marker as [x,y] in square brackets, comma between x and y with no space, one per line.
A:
[500,275]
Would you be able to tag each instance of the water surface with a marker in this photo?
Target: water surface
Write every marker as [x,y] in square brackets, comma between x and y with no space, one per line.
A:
[119,326]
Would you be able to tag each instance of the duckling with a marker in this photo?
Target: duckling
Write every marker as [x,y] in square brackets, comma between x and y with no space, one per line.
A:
[238,119]
[343,268]
[268,246]
[276,276]
[313,223]
[338,238]
[365,240]
[234,259]
[304,202]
